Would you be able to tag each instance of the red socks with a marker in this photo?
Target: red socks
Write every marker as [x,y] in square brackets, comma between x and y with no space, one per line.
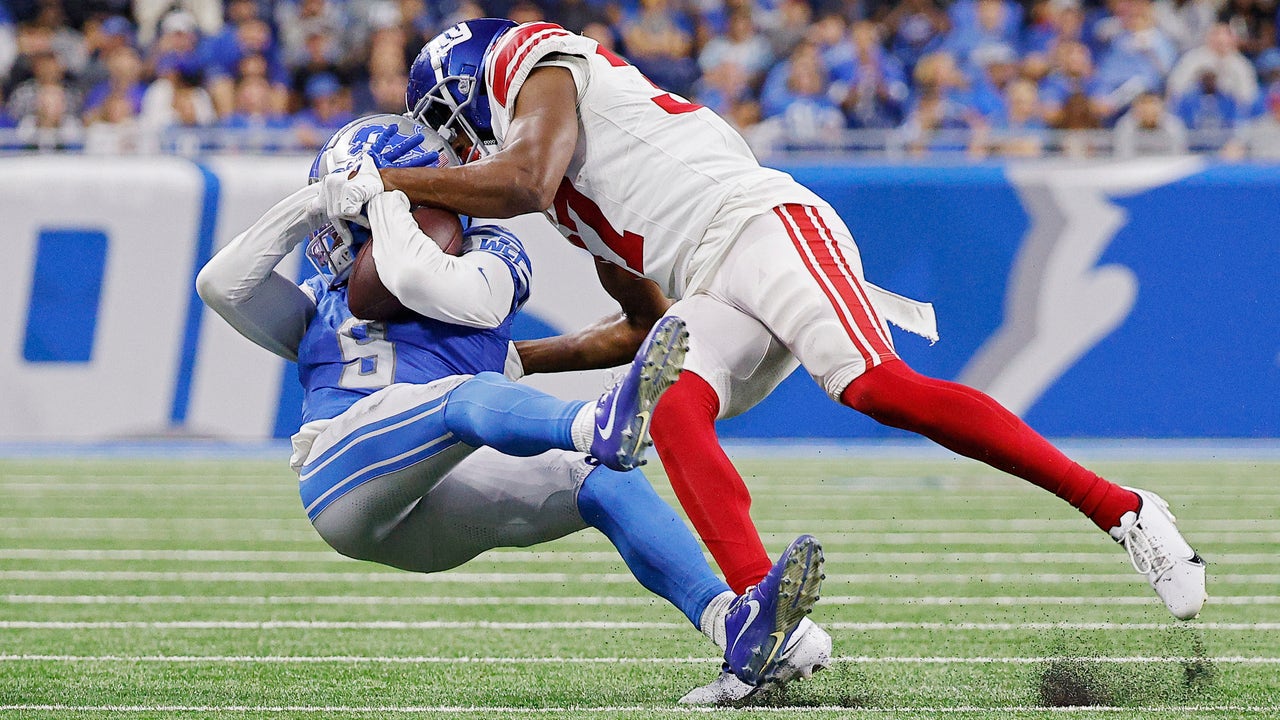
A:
[970,423]
[708,486]
[955,416]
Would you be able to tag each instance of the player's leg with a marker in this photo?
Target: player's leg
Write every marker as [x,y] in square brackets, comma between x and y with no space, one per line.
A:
[754,627]
[518,420]
[806,285]
[369,466]
[733,363]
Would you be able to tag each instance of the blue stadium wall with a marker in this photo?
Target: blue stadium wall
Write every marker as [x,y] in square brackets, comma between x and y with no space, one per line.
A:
[1133,299]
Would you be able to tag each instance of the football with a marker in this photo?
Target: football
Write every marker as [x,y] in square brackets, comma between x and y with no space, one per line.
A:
[367,297]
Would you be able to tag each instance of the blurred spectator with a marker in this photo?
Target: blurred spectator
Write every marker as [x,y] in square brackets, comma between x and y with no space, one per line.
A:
[603,34]
[206,16]
[178,40]
[45,97]
[1208,112]
[988,23]
[777,92]
[102,38]
[797,104]
[1020,131]
[321,59]
[1052,24]
[113,128]
[123,83]
[994,67]
[575,15]
[254,108]
[51,31]
[721,87]
[50,123]
[868,83]
[8,44]
[1260,139]
[1234,74]
[1137,58]
[1072,74]
[790,25]
[940,107]
[1253,22]
[328,109]
[176,98]
[384,91]
[915,27]
[525,11]
[300,19]
[244,35]
[743,46]
[659,41]
[1186,22]
[1149,129]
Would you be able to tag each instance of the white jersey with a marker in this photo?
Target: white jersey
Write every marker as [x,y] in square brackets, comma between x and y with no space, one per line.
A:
[657,184]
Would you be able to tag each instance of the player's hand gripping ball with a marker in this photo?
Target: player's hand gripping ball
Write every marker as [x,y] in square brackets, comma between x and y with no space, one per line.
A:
[367,297]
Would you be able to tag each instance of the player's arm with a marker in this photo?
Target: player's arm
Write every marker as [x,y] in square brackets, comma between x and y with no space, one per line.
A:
[475,290]
[609,342]
[521,178]
[240,283]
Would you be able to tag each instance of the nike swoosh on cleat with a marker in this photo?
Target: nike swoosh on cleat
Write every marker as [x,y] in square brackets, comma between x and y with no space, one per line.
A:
[778,637]
[751,617]
[606,431]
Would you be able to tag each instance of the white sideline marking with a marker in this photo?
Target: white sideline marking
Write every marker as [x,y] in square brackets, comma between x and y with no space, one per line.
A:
[557,577]
[998,600]
[567,556]
[585,624]
[470,660]
[677,709]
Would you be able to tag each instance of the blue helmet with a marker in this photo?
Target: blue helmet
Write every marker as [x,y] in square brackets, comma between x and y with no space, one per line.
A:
[446,83]
[392,141]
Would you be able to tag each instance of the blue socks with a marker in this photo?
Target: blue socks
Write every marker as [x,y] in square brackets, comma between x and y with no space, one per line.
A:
[489,410]
[652,539]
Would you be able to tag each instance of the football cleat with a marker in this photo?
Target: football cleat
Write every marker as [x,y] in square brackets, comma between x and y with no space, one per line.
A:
[1158,551]
[760,622]
[808,652]
[621,432]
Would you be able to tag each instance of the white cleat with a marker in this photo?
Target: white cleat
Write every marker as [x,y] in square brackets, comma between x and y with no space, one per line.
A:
[808,652]
[1159,552]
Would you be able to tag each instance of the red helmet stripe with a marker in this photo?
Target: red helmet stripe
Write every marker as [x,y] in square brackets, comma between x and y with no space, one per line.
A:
[516,46]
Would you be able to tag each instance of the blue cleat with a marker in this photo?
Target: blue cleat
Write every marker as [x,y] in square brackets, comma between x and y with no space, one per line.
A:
[761,621]
[621,432]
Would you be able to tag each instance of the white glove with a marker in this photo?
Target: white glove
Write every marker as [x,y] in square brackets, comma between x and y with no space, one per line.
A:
[345,192]
[514,369]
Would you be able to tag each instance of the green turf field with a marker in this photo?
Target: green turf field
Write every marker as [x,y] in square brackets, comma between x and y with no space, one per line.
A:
[168,588]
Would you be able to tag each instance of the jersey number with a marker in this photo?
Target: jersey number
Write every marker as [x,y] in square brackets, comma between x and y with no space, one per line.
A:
[368,358]
[671,103]
[628,245]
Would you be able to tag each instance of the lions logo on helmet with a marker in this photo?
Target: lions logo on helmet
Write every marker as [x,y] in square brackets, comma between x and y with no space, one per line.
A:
[392,141]
[446,83]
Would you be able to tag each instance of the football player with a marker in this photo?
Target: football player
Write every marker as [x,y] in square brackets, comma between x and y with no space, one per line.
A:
[670,200]
[390,458]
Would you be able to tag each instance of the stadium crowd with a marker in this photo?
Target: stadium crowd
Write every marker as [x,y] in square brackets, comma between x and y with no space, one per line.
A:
[977,77]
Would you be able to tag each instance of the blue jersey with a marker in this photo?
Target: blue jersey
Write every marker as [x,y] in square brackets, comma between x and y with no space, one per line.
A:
[342,358]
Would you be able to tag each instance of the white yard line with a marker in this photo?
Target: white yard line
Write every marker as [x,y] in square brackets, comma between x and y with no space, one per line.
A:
[445,600]
[610,709]
[590,625]
[613,660]
[568,556]
[559,577]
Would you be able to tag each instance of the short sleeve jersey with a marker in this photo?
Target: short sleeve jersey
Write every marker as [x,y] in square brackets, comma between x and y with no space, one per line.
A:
[657,184]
